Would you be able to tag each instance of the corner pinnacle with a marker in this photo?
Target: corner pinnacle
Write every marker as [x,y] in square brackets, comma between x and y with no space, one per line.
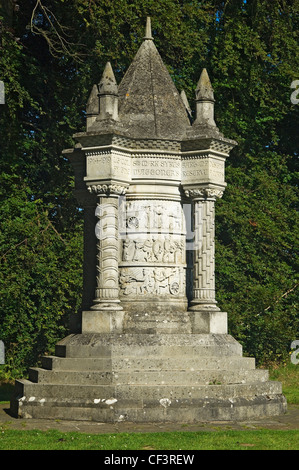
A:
[108,85]
[204,90]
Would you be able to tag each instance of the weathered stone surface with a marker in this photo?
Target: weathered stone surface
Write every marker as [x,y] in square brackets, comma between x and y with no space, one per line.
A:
[149,103]
[147,378]
[148,345]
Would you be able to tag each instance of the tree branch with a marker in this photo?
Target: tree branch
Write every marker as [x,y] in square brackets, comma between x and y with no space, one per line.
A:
[282,296]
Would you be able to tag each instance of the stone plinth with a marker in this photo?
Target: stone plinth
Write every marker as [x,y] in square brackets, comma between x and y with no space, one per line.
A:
[177,378]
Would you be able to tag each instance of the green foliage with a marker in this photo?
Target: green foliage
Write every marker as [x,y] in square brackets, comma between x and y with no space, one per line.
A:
[51,53]
[40,280]
[256,262]
[288,375]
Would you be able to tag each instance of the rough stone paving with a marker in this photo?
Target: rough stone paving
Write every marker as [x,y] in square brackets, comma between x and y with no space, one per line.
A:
[150,344]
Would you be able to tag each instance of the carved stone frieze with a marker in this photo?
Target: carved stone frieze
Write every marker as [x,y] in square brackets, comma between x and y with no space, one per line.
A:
[152,216]
[155,281]
[159,250]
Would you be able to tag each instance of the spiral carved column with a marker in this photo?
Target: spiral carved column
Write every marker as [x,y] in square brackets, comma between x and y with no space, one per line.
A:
[107,289]
[204,313]
[204,253]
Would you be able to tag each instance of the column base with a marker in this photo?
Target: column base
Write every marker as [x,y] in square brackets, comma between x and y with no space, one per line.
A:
[208,321]
[204,306]
[106,305]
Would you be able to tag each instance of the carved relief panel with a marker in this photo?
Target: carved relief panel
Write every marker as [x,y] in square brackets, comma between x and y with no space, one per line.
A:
[157,281]
[152,251]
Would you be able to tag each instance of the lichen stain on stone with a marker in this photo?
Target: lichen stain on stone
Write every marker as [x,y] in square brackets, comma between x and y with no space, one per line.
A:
[165,402]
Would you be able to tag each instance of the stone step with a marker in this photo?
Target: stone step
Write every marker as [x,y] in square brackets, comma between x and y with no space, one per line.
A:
[145,345]
[161,405]
[38,391]
[147,363]
[147,377]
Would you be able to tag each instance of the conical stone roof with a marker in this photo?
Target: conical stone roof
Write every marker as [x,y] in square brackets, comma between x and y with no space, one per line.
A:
[150,106]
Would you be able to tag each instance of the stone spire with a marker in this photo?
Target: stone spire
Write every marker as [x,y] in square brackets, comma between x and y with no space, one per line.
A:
[150,106]
[204,96]
[108,93]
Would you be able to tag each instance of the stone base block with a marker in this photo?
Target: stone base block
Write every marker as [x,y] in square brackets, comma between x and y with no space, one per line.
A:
[150,322]
[102,321]
[214,322]
[153,322]
[179,378]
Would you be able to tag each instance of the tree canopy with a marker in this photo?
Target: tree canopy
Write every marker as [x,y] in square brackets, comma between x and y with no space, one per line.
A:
[51,53]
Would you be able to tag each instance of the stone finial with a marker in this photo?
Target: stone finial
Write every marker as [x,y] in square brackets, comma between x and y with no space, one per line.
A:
[108,85]
[92,107]
[204,90]
[148,29]
[108,93]
[204,96]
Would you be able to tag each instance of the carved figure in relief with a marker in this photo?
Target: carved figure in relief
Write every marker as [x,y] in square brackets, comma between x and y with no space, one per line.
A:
[179,251]
[155,250]
[174,222]
[161,277]
[140,253]
[148,210]
[158,250]
[148,249]
[158,211]
[169,252]
[128,250]
[132,281]
[149,283]
[157,281]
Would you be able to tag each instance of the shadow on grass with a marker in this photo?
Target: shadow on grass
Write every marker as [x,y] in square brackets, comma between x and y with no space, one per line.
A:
[6,391]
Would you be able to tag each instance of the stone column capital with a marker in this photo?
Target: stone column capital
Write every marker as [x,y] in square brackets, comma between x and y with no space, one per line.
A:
[107,189]
[204,193]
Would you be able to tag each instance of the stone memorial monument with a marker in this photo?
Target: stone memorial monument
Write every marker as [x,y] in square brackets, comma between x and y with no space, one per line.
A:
[151,343]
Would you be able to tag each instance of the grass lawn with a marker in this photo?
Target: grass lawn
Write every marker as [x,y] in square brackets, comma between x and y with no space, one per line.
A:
[218,439]
[180,440]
